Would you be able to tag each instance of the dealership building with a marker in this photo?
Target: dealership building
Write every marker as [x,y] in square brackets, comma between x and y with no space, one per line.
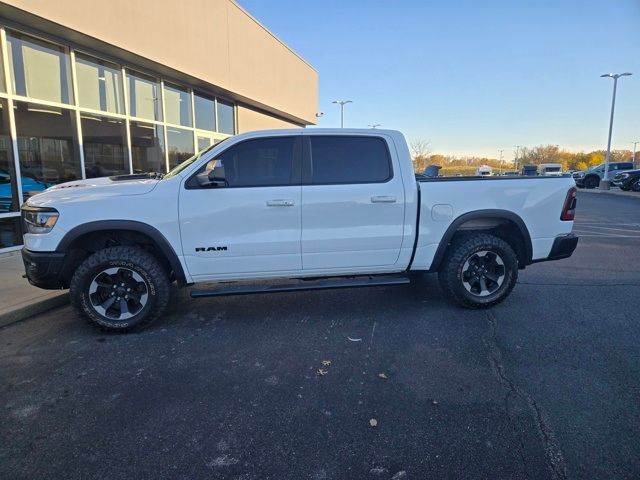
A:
[90,89]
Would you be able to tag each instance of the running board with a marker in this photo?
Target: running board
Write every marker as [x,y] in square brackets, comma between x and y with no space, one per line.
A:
[323,284]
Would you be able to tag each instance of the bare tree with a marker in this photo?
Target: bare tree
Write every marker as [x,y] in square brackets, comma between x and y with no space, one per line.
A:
[420,153]
[420,148]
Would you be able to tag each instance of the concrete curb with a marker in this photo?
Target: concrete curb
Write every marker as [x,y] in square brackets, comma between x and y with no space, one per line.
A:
[33,307]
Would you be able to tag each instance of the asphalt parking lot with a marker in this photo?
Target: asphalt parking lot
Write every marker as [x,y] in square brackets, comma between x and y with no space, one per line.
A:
[546,385]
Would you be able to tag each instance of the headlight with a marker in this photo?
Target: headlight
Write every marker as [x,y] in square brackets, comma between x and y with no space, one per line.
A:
[624,175]
[39,219]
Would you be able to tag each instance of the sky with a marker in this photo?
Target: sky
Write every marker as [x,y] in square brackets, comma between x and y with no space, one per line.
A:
[471,77]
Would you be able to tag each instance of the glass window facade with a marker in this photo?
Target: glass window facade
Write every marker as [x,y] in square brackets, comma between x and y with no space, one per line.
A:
[99,84]
[104,140]
[8,183]
[62,109]
[179,145]
[47,145]
[147,147]
[203,142]
[144,96]
[10,232]
[39,69]
[226,118]
[177,105]
[205,112]
[3,87]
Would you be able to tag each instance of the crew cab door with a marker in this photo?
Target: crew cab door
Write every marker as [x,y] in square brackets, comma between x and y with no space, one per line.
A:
[248,220]
[353,203]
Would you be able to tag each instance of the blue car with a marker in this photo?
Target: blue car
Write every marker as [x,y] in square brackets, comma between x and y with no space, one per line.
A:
[29,185]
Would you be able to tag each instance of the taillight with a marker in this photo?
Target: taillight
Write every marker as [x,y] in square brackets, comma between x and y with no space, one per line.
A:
[569,208]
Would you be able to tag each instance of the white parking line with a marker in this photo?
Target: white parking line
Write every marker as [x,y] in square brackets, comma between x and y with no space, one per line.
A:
[581,235]
[610,228]
[590,233]
[586,224]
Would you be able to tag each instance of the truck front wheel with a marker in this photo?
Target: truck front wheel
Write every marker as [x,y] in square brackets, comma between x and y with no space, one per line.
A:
[120,289]
[479,270]
[591,182]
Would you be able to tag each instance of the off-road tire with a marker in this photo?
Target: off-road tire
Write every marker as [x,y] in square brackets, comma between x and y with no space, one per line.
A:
[450,273]
[130,258]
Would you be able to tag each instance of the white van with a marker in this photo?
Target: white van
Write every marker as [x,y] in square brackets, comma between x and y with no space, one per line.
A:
[554,169]
[484,170]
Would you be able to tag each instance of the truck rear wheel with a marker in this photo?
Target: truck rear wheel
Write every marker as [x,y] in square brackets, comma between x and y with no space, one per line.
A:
[120,289]
[479,270]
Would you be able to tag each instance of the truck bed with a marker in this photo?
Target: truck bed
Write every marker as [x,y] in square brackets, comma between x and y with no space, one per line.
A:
[533,200]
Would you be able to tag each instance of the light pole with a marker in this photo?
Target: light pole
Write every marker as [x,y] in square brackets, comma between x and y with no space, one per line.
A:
[605,183]
[342,103]
[633,159]
[518,147]
[374,125]
[501,160]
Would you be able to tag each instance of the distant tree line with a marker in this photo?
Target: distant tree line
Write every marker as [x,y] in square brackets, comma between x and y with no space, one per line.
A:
[422,157]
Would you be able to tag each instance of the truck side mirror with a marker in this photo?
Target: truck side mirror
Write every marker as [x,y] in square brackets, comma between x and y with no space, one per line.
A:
[213,177]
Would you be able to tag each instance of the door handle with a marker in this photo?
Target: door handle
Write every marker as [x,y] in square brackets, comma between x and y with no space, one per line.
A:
[280,203]
[383,199]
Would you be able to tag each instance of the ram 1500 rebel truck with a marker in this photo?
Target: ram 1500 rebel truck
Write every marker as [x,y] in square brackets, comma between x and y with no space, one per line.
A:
[288,210]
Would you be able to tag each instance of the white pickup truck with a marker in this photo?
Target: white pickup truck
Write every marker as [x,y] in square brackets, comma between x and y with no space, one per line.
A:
[288,210]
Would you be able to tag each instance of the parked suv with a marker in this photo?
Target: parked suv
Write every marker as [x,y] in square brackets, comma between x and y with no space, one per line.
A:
[629,180]
[591,178]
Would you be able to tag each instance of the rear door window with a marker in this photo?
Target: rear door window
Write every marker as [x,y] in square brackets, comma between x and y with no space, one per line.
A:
[348,159]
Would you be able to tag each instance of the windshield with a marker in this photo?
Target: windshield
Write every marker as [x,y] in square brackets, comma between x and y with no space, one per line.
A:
[596,167]
[176,170]
[552,169]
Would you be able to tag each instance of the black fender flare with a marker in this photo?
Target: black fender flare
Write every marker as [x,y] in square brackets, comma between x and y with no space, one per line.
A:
[131,225]
[483,214]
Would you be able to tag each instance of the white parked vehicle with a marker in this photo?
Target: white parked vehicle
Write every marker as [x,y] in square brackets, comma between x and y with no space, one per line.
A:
[550,169]
[311,209]
[484,170]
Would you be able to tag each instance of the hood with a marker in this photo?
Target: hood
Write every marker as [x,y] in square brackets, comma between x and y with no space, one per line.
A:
[93,188]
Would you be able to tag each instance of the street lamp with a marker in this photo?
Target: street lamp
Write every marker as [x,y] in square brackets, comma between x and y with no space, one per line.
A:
[518,147]
[501,160]
[633,159]
[605,183]
[342,103]
[374,125]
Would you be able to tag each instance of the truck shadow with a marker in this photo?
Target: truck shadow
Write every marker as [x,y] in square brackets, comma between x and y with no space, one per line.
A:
[422,298]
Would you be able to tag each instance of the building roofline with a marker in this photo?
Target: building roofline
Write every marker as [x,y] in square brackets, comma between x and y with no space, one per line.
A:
[273,35]
[32,24]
